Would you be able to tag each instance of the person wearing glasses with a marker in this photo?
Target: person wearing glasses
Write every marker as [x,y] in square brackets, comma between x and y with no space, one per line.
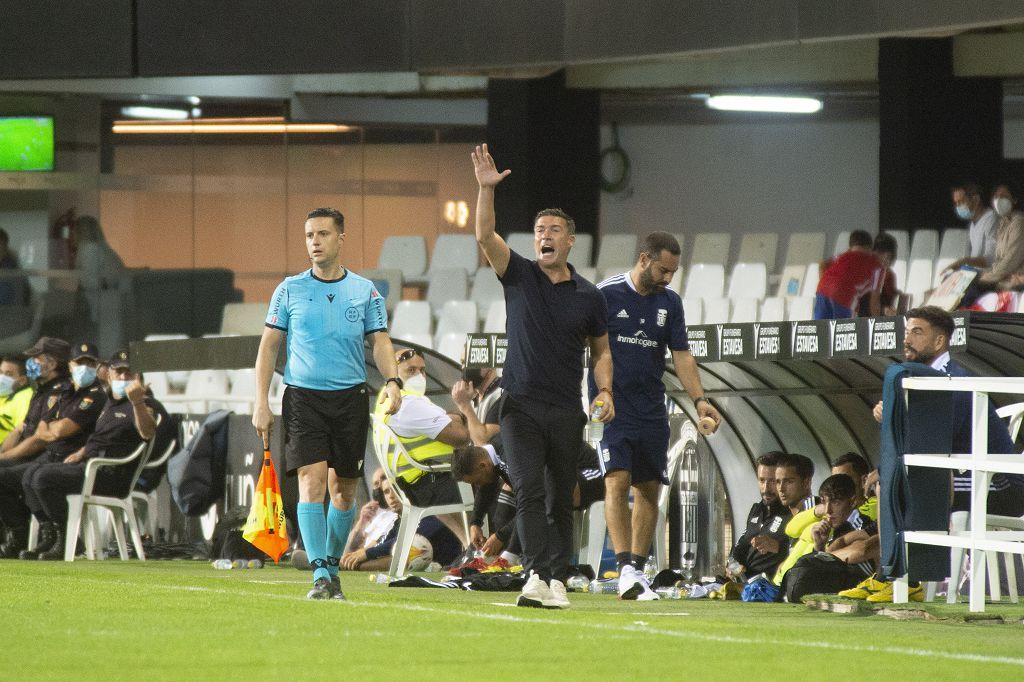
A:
[325,313]
[553,316]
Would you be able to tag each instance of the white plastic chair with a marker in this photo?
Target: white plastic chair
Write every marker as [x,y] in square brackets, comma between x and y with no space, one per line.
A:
[446,284]
[744,310]
[589,532]
[495,321]
[389,449]
[582,252]
[842,243]
[419,338]
[791,279]
[759,247]
[954,243]
[693,310]
[451,345]
[406,253]
[959,522]
[800,308]
[919,277]
[459,317]
[78,504]
[716,310]
[676,284]
[902,238]
[748,280]
[617,251]
[812,275]
[773,309]
[705,280]
[711,247]
[804,247]
[148,500]
[486,289]
[411,317]
[925,244]
[899,268]
[455,251]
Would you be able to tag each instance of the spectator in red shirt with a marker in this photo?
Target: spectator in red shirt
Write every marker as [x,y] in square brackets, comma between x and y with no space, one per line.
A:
[858,271]
[890,294]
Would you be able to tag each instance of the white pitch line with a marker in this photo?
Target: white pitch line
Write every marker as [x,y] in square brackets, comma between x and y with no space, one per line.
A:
[727,639]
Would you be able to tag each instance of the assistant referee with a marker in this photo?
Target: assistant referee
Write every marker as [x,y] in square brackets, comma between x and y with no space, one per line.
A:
[325,313]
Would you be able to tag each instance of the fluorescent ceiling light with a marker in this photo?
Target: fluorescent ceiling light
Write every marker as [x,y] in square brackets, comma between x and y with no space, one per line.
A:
[785,105]
[155,112]
[226,126]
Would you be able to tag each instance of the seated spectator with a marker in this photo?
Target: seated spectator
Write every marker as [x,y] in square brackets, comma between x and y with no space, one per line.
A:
[842,535]
[128,418]
[1008,257]
[848,277]
[764,544]
[793,474]
[428,434]
[60,426]
[15,394]
[433,542]
[373,514]
[969,205]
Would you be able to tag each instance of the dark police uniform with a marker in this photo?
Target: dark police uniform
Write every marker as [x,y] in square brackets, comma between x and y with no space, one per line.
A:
[47,485]
[768,520]
[542,418]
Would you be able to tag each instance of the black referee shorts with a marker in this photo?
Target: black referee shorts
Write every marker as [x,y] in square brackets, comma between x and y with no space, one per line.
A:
[326,426]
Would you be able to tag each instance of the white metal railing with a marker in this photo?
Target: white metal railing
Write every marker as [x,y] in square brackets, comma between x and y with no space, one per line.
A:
[978,539]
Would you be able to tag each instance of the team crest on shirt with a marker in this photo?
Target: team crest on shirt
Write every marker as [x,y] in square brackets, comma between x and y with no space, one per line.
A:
[662,314]
[84,405]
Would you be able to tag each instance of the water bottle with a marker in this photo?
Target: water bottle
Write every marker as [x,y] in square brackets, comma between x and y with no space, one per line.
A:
[223,564]
[609,586]
[670,592]
[576,583]
[650,568]
[254,563]
[380,578]
[596,425]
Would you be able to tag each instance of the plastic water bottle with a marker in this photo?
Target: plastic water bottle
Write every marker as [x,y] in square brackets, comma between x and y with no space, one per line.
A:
[254,563]
[650,568]
[576,583]
[380,578]
[609,586]
[596,425]
[223,564]
[669,592]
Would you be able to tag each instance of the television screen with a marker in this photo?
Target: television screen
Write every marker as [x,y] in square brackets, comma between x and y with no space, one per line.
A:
[26,143]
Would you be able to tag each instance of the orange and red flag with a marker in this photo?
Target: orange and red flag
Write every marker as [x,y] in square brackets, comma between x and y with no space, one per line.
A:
[265,527]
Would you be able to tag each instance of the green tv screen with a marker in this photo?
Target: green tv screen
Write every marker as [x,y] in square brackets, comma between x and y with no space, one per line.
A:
[26,143]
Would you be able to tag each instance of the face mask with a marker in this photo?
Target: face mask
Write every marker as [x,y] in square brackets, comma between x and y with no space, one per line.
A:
[963,212]
[33,370]
[6,385]
[416,385]
[1002,206]
[118,388]
[83,376]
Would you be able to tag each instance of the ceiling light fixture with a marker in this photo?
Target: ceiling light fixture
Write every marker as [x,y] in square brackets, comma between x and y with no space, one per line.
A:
[226,126]
[765,103]
[161,113]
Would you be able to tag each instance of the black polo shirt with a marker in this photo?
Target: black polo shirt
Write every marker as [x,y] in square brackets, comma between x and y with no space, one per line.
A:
[547,326]
[44,403]
[768,520]
[82,407]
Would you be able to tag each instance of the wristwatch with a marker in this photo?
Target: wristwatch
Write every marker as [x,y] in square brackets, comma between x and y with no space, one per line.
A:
[698,399]
[398,382]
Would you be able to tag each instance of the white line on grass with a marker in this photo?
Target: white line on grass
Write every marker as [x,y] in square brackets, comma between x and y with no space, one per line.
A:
[727,639]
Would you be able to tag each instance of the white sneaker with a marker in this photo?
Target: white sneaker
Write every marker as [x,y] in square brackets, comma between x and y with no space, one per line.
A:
[648,594]
[631,583]
[536,594]
[559,600]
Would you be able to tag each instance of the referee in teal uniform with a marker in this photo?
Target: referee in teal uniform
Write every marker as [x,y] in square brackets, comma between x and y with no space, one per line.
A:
[325,313]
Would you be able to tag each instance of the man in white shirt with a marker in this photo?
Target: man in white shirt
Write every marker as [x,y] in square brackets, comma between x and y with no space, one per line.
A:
[969,204]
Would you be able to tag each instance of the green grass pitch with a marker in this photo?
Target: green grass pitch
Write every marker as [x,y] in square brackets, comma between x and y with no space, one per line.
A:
[26,144]
[185,620]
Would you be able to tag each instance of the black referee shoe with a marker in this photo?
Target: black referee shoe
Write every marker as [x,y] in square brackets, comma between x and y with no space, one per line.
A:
[321,589]
[336,592]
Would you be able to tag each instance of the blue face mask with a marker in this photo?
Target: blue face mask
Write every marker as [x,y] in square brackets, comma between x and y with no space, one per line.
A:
[963,212]
[33,370]
[83,376]
[118,388]
[6,385]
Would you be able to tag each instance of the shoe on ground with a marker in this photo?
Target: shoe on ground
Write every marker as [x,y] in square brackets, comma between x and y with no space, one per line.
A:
[300,560]
[28,555]
[56,551]
[14,543]
[648,594]
[321,589]
[559,599]
[336,592]
[536,594]
[884,595]
[864,589]
[631,583]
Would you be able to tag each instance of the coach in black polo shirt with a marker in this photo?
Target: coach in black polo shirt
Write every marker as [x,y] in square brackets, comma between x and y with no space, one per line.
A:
[553,314]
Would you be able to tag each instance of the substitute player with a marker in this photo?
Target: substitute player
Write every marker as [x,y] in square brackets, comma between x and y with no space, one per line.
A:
[644,318]
[325,313]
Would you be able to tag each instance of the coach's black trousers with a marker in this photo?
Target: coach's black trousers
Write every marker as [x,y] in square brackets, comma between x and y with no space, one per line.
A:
[542,445]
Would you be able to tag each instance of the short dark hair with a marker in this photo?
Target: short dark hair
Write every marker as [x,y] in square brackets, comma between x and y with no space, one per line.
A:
[936,317]
[464,458]
[558,213]
[769,459]
[803,466]
[332,213]
[859,464]
[656,242]
[860,238]
[885,243]
[1012,185]
[16,359]
[971,188]
[838,487]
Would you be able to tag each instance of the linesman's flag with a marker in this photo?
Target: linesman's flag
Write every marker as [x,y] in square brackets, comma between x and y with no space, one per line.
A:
[265,527]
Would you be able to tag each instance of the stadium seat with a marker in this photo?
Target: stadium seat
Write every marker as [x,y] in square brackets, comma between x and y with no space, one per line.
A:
[423,339]
[744,310]
[411,317]
[455,251]
[693,310]
[748,280]
[812,274]
[616,251]
[445,285]
[521,243]
[800,308]
[711,247]
[954,243]
[495,322]
[582,254]
[791,280]
[759,247]
[803,248]
[388,283]
[925,244]
[842,243]
[919,277]
[458,317]
[676,284]
[940,266]
[705,280]
[389,449]
[899,268]
[147,501]
[716,310]
[902,238]
[451,345]
[773,309]
[407,254]
[486,289]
